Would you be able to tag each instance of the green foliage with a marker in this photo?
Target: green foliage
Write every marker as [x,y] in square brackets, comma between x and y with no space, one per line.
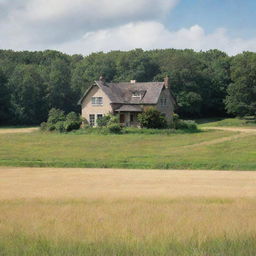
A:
[58,121]
[103,122]
[241,99]
[114,128]
[152,118]
[187,124]
[55,115]
[4,100]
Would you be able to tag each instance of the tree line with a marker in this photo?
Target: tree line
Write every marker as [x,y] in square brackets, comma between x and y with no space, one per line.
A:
[205,84]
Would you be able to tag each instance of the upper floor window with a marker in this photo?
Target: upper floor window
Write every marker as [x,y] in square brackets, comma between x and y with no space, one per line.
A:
[97,101]
[163,102]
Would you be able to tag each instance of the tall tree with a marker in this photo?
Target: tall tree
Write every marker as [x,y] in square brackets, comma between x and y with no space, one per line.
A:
[28,101]
[4,100]
[241,99]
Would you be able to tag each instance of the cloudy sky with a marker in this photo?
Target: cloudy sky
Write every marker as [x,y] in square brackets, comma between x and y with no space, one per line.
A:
[85,26]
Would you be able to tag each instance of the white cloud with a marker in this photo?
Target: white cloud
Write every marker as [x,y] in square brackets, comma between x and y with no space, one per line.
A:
[84,26]
[153,35]
[39,23]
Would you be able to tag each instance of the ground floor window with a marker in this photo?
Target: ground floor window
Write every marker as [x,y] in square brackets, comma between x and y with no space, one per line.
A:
[99,116]
[92,120]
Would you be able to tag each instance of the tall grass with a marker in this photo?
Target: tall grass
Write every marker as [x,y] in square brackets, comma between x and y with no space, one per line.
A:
[199,227]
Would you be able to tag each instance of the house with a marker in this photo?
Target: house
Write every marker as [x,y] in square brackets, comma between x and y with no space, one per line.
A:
[126,99]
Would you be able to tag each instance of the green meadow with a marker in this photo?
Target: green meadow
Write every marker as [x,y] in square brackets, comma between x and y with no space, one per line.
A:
[207,149]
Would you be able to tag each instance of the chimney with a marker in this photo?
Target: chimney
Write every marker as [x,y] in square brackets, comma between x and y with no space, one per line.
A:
[133,81]
[166,82]
[102,79]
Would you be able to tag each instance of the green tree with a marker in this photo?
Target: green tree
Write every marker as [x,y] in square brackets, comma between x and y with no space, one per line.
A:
[241,99]
[28,101]
[4,100]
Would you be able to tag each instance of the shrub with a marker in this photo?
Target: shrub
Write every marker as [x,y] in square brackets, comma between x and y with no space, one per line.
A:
[60,126]
[55,115]
[57,121]
[114,128]
[152,118]
[103,122]
[186,124]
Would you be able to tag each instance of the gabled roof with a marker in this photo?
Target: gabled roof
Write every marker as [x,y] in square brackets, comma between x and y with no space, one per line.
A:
[123,92]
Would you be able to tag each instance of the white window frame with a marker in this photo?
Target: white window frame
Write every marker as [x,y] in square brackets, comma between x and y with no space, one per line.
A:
[92,120]
[97,101]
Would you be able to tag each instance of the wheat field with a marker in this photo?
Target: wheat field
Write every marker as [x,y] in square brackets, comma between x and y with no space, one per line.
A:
[126,212]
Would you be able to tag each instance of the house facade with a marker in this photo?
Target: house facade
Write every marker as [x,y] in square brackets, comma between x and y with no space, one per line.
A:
[126,100]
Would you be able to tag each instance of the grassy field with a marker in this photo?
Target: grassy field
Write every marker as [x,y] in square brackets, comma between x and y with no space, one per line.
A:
[203,150]
[126,212]
[227,122]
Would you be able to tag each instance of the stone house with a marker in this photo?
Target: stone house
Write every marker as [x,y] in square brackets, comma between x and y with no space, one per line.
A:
[126,100]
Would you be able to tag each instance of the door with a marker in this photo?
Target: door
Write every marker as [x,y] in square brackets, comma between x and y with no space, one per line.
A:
[122,118]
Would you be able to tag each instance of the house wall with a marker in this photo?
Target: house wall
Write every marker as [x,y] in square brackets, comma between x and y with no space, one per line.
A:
[88,108]
[168,110]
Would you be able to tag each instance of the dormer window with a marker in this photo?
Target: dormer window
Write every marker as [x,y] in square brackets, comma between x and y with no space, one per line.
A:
[138,94]
[97,101]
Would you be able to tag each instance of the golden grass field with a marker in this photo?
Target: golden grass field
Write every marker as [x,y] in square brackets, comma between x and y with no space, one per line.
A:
[131,207]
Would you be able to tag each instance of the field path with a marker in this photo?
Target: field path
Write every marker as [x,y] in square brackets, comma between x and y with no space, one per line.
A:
[18,130]
[69,183]
[243,132]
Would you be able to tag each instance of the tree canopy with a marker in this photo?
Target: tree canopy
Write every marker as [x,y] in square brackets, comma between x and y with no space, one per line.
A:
[204,84]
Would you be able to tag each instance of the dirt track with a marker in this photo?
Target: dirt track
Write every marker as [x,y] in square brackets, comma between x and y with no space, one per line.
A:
[54,183]
[18,130]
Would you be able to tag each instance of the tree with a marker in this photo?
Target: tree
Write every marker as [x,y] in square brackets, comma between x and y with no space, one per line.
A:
[58,83]
[241,99]
[4,100]
[28,98]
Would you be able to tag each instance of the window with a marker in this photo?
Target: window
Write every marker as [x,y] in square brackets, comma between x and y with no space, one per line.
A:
[92,120]
[97,101]
[163,102]
[131,118]
[138,94]
[99,116]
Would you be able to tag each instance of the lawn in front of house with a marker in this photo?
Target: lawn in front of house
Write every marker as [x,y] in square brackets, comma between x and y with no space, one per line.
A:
[156,151]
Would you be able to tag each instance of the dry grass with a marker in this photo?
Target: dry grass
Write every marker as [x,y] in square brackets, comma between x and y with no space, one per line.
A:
[58,183]
[126,212]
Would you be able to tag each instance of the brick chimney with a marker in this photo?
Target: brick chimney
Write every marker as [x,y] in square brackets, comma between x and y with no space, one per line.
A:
[166,82]
[102,79]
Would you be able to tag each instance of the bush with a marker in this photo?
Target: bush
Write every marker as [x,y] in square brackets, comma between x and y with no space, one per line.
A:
[114,128]
[60,126]
[44,126]
[57,121]
[103,122]
[152,118]
[55,115]
[186,124]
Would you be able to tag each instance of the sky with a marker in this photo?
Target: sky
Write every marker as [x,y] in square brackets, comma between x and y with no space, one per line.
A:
[86,26]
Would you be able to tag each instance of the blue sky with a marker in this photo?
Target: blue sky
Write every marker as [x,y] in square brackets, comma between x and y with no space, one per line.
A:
[237,16]
[86,26]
